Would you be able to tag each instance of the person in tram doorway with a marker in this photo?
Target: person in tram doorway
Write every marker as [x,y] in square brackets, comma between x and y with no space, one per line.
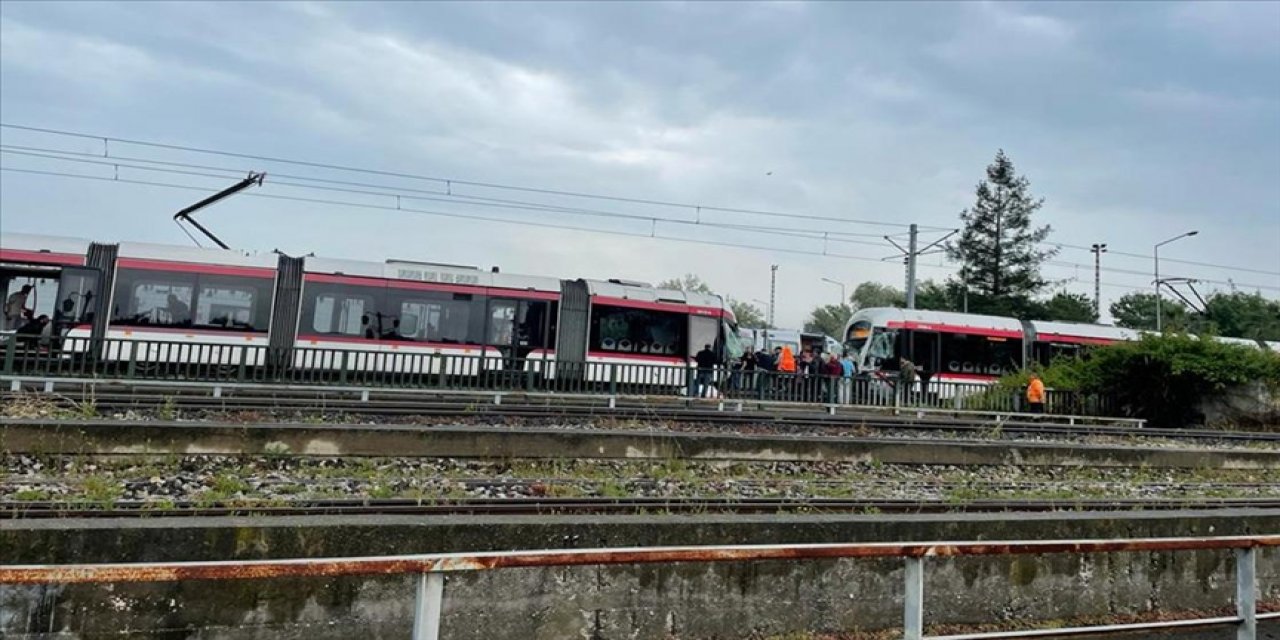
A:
[907,379]
[15,308]
[1035,393]
[707,361]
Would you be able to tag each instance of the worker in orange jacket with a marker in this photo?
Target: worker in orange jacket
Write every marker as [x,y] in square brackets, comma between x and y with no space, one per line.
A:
[1035,394]
[787,361]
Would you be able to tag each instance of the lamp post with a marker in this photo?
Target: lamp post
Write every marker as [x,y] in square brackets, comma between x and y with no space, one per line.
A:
[843,300]
[1159,318]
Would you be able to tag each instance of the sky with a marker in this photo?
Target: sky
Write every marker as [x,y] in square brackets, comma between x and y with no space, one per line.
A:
[1134,121]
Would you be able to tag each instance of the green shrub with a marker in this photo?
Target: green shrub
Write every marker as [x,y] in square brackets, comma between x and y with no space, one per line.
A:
[1162,378]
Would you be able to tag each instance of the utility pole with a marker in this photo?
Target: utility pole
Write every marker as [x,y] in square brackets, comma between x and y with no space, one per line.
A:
[912,253]
[773,290]
[1156,249]
[1098,250]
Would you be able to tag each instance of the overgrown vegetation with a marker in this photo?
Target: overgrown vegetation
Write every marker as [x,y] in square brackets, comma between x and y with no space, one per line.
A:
[1164,379]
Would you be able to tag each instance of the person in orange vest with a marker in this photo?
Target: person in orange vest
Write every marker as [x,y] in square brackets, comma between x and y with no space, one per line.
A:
[787,361]
[1035,394]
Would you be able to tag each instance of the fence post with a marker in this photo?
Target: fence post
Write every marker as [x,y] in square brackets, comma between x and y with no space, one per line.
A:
[342,367]
[613,378]
[913,599]
[244,355]
[428,606]
[132,369]
[692,380]
[10,349]
[1246,594]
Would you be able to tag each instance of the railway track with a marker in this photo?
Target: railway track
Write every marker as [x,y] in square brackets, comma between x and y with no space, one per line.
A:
[605,506]
[477,408]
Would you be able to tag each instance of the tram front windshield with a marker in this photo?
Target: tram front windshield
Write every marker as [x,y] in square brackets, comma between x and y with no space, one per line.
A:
[857,337]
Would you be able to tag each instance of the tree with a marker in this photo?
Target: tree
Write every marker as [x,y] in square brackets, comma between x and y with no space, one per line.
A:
[687,282]
[939,297]
[874,294]
[1065,307]
[997,249]
[748,315]
[1243,315]
[1138,311]
[829,319]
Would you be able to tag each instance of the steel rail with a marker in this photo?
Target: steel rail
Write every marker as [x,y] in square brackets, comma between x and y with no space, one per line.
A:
[472,410]
[602,506]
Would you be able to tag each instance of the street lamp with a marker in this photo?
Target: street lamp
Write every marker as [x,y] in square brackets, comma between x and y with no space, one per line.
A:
[1159,318]
[838,284]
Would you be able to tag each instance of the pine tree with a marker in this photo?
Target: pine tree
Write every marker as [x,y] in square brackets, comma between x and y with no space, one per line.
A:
[998,247]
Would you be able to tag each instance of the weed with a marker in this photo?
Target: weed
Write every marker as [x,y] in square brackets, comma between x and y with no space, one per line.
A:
[613,488]
[31,495]
[101,491]
[168,410]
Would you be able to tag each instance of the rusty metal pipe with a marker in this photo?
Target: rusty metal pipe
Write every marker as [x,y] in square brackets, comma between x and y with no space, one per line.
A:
[328,567]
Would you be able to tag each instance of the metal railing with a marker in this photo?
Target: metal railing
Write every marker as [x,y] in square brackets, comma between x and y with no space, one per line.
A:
[491,370]
[429,603]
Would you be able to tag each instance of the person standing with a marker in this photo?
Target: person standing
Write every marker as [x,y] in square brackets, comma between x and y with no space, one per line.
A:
[1036,393]
[15,308]
[707,361]
[846,378]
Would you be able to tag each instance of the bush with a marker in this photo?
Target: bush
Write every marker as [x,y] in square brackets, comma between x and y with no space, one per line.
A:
[1162,378]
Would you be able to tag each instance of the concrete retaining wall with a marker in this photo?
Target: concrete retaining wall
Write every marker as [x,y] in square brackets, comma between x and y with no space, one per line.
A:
[529,442]
[685,601]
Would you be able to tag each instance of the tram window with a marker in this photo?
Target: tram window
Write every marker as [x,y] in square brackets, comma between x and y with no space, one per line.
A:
[231,302]
[77,292]
[352,316]
[502,320]
[342,309]
[982,355]
[531,330]
[627,330]
[703,331]
[734,347]
[153,298]
[436,316]
[883,347]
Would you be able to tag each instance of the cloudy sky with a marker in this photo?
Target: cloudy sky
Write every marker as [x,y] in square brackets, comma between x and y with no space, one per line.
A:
[1134,121]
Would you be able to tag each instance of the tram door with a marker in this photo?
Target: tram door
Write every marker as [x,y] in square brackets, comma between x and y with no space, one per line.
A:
[77,298]
[516,328]
[926,354]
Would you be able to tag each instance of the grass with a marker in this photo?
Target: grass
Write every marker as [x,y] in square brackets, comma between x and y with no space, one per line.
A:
[32,495]
[101,491]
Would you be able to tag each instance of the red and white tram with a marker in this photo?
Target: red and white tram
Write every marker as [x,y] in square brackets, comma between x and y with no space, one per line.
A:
[162,295]
[949,346]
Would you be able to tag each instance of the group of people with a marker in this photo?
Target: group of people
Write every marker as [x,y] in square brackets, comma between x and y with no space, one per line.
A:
[813,376]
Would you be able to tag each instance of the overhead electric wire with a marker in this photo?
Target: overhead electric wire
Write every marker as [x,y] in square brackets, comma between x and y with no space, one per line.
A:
[451,181]
[781,231]
[488,185]
[362,205]
[652,235]
[1148,256]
